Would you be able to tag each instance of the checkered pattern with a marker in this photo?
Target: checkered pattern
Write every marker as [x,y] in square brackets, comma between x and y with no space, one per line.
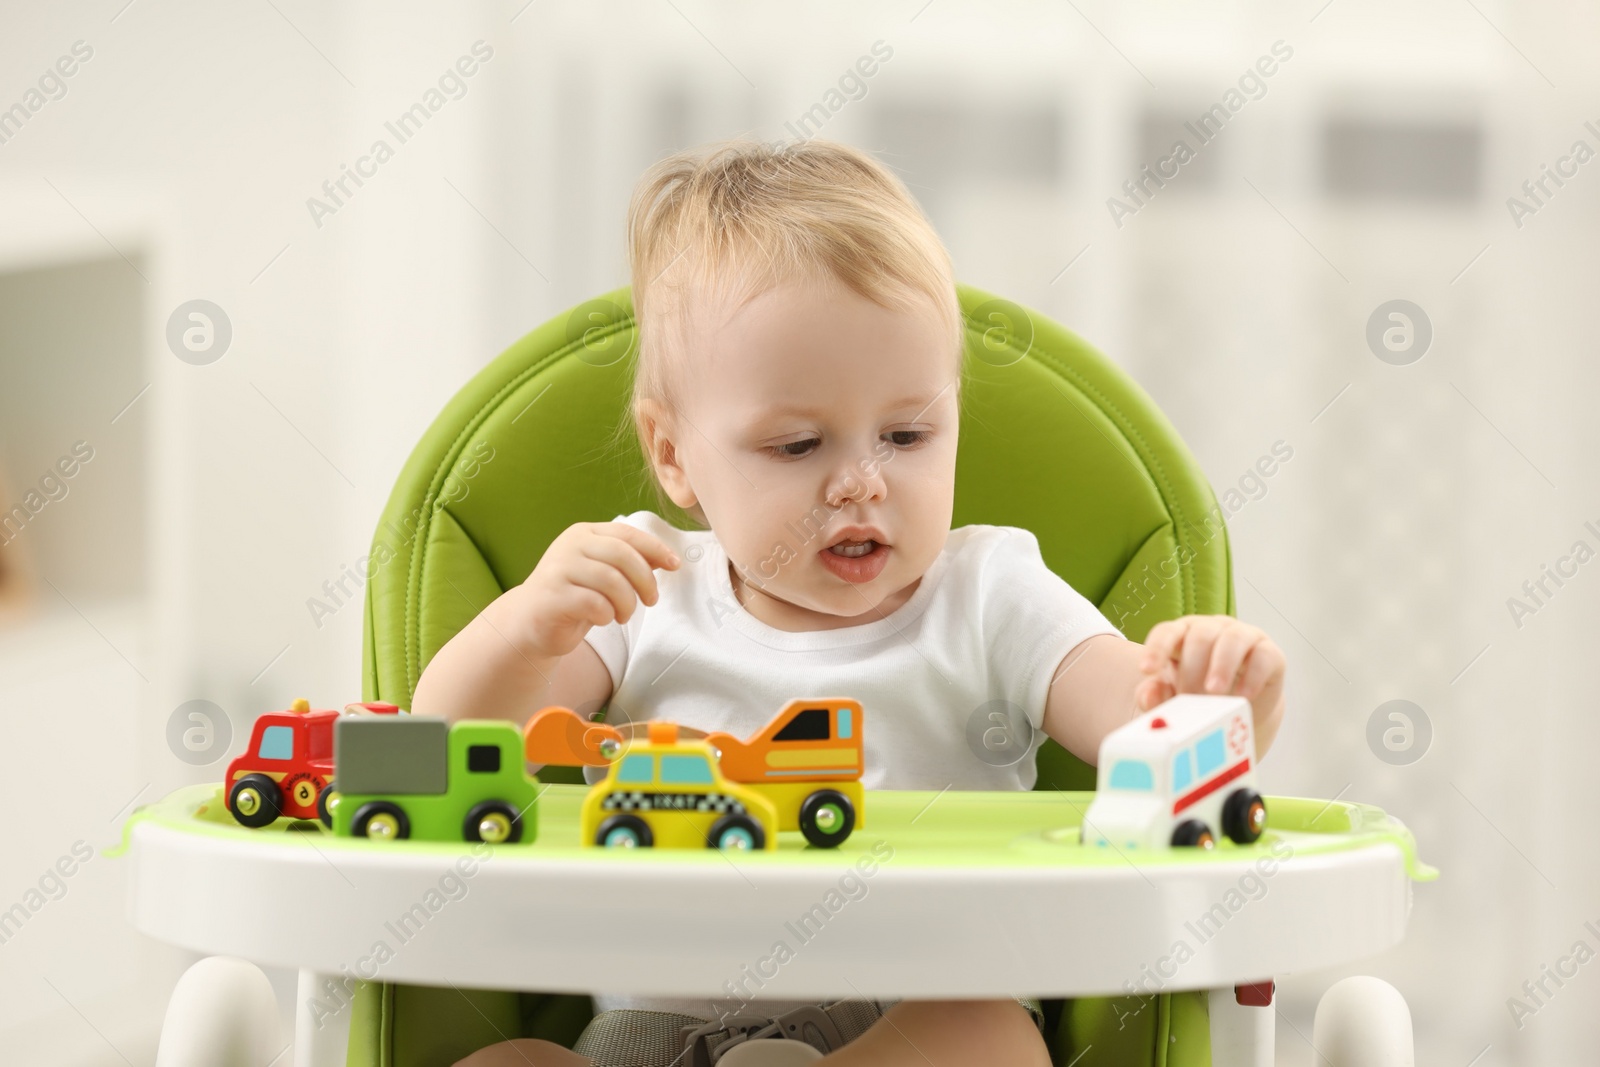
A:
[638,800]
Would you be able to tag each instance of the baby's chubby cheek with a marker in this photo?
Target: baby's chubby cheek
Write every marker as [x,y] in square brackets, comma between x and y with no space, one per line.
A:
[773,555]
[762,557]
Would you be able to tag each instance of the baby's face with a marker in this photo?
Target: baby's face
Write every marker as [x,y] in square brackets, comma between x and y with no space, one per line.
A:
[817,431]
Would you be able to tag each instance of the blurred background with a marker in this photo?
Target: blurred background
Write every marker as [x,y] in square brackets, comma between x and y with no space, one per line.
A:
[227,470]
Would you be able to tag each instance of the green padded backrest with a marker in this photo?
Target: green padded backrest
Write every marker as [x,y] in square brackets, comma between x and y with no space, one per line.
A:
[1054,438]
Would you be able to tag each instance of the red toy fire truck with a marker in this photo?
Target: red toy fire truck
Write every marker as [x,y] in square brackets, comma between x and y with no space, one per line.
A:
[288,767]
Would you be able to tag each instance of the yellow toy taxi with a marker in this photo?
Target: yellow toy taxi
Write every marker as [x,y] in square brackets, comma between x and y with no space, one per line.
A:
[667,792]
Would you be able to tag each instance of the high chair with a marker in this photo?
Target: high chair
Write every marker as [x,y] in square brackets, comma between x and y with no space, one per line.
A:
[1054,438]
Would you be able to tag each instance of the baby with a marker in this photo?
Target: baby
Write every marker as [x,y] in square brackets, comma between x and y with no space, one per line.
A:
[797,393]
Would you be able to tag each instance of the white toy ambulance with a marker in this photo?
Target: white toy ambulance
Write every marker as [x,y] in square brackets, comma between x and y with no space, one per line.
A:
[1182,773]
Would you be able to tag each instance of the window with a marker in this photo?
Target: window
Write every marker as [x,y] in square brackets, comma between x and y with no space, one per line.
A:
[686,770]
[844,724]
[484,759]
[637,768]
[1156,139]
[277,742]
[810,725]
[945,140]
[1132,774]
[1182,771]
[1436,158]
[1208,753]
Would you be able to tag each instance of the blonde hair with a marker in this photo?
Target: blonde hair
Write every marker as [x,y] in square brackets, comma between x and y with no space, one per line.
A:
[735,219]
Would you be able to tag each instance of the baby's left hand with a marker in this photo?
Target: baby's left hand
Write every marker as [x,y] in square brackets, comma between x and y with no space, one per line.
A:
[1214,654]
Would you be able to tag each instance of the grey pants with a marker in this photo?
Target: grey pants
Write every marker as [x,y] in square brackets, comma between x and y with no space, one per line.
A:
[637,1038]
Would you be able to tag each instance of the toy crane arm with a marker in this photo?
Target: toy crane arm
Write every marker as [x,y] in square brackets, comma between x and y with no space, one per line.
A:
[560,736]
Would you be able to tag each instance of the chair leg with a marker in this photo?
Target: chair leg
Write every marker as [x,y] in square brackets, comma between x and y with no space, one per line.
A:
[223,1013]
[1241,1025]
[1363,1022]
[321,1020]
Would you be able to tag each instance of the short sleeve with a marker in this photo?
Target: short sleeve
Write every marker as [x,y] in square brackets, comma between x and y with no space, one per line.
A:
[1031,618]
[610,642]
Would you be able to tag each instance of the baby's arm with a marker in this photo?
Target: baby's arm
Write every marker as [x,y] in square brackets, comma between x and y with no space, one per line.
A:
[526,649]
[1107,680]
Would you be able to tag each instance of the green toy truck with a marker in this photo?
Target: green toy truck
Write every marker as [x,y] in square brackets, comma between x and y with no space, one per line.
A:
[418,777]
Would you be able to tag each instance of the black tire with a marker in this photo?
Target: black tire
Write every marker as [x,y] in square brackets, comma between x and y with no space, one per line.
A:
[381,813]
[1244,816]
[499,813]
[260,798]
[737,831]
[630,824]
[324,804]
[1192,833]
[825,807]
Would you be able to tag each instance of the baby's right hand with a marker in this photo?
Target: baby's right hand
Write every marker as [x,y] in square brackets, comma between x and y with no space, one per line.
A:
[592,573]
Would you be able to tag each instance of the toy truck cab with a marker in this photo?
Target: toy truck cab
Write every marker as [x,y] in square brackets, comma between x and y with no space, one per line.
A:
[287,768]
[669,793]
[808,760]
[1178,775]
[418,776]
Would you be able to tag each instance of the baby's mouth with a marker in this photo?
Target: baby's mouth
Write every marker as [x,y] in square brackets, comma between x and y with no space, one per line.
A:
[856,559]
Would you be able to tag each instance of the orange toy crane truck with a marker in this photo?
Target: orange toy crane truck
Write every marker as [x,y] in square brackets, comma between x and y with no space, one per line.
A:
[807,760]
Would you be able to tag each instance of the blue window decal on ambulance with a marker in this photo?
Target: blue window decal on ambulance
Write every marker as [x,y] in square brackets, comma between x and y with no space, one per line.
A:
[1182,774]
[1208,753]
[1132,774]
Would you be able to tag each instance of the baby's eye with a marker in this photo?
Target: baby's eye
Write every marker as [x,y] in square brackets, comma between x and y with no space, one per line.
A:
[794,449]
[906,438]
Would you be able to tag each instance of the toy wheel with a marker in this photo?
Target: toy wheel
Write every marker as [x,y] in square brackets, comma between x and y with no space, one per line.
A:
[1192,833]
[1244,816]
[493,821]
[381,820]
[624,831]
[827,817]
[736,831]
[255,801]
[327,800]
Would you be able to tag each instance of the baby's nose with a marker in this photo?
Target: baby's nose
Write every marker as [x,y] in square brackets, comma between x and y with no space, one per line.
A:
[853,486]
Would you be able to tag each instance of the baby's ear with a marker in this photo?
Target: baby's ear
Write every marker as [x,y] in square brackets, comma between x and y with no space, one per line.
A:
[656,432]
[657,437]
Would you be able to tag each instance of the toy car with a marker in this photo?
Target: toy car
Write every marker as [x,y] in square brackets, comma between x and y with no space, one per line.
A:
[1176,776]
[811,741]
[420,777]
[807,760]
[669,793]
[288,765]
